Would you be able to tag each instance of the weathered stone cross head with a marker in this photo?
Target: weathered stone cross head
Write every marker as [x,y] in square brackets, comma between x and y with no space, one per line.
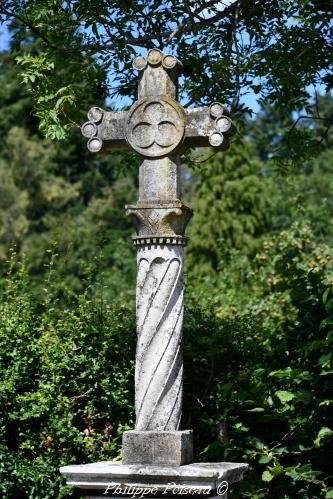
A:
[159,129]
[157,125]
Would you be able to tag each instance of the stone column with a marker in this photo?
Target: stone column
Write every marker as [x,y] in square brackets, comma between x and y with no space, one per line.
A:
[157,438]
[159,364]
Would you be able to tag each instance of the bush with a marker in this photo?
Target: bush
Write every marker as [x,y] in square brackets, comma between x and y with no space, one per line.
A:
[66,391]
[259,373]
[257,385]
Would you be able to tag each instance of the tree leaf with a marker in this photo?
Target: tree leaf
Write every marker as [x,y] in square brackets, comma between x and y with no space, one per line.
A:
[323,433]
[267,476]
[284,396]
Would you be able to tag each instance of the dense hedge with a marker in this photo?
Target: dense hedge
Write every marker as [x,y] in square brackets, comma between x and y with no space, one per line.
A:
[67,386]
[261,370]
[258,376]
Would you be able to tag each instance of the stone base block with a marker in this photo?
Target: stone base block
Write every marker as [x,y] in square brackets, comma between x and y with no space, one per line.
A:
[167,448]
[113,479]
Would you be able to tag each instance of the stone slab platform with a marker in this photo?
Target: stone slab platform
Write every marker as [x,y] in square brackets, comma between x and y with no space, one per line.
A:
[113,479]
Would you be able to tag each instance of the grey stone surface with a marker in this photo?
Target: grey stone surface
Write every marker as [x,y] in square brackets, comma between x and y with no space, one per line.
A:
[157,125]
[172,448]
[158,78]
[159,180]
[167,219]
[159,363]
[159,130]
[201,477]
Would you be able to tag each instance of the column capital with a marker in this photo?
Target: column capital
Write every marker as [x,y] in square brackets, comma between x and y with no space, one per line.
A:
[162,223]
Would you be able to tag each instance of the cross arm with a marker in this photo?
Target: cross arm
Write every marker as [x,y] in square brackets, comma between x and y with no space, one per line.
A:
[208,126]
[105,130]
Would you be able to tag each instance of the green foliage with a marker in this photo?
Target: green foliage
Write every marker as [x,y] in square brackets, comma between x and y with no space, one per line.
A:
[46,186]
[259,299]
[66,390]
[56,105]
[38,201]
[284,140]
[227,52]
[258,376]
[232,207]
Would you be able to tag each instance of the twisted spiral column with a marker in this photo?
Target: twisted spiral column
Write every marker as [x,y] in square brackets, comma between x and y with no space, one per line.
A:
[159,364]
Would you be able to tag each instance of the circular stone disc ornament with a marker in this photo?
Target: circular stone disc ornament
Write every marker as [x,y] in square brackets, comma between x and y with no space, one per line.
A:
[155,56]
[95,144]
[216,139]
[223,124]
[169,61]
[140,63]
[155,126]
[216,109]
[88,129]
[95,114]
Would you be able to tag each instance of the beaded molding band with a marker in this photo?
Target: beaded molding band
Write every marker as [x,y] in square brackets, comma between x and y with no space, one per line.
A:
[151,240]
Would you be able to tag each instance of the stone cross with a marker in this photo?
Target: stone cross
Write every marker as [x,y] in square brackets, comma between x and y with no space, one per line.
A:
[159,129]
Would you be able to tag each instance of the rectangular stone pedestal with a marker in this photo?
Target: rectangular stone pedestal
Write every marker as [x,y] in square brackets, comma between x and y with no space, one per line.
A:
[171,448]
[112,479]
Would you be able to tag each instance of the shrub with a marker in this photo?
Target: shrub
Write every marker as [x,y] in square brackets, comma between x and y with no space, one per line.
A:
[257,382]
[259,373]
[66,391]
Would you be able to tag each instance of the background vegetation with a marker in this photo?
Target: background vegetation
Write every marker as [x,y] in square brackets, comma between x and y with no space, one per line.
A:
[258,329]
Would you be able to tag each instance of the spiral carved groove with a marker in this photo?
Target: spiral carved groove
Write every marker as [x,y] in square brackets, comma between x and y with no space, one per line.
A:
[159,364]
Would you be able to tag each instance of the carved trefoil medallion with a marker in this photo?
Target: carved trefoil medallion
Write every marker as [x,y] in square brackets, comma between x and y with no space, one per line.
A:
[155,126]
